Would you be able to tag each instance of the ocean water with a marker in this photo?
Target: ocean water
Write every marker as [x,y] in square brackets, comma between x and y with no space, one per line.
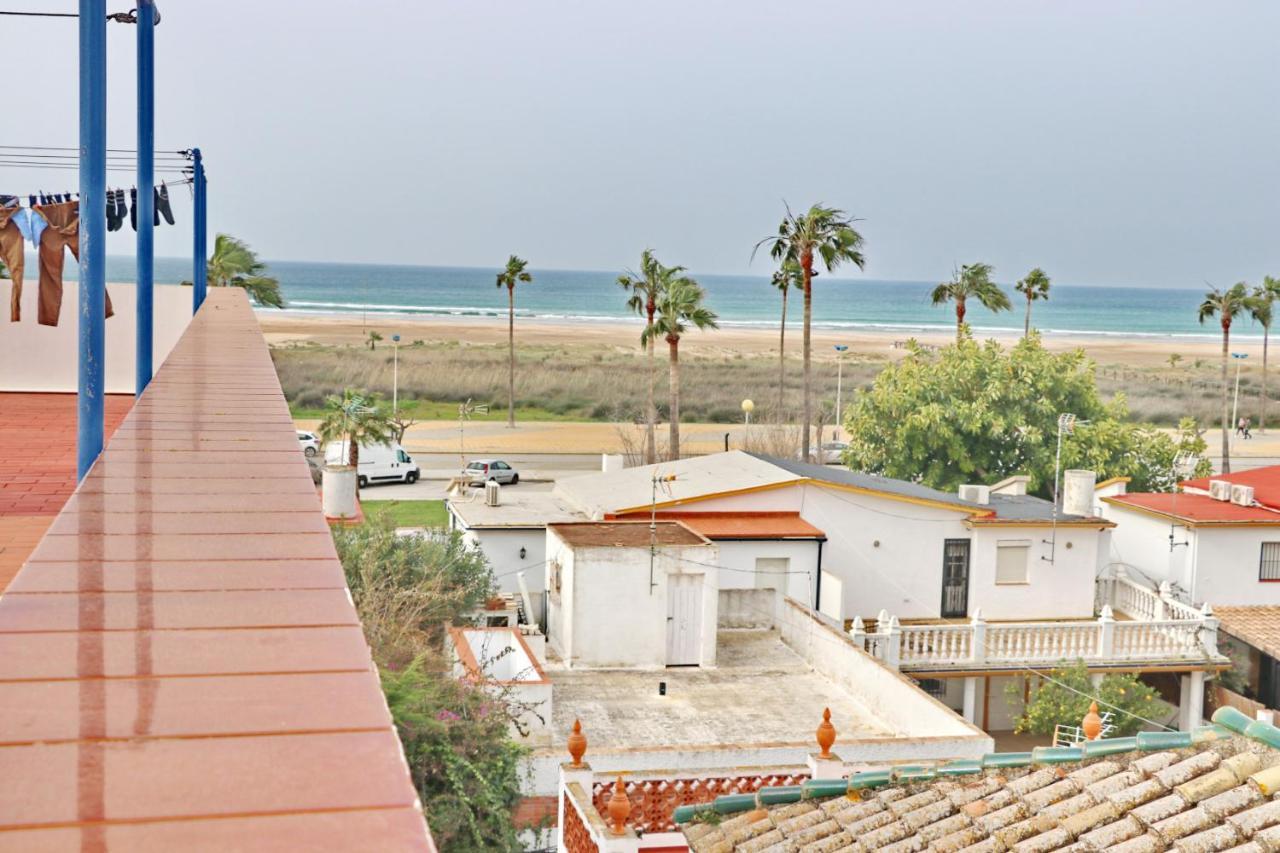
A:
[740,301]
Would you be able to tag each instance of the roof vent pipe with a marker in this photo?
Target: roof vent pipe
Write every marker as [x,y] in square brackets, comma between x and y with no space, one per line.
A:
[1077,492]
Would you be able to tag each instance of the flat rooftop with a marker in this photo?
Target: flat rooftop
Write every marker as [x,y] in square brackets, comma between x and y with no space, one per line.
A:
[761,692]
[527,510]
[625,534]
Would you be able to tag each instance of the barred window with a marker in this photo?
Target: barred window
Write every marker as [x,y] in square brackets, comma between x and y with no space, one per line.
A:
[1269,568]
[935,687]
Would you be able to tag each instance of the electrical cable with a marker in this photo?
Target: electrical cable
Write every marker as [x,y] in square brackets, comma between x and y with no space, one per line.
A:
[184,154]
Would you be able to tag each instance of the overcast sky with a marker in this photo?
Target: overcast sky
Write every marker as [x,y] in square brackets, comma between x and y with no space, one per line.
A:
[1110,142]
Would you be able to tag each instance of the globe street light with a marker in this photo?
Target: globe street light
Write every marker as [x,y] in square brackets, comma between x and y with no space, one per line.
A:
[1235,402]
[840,350]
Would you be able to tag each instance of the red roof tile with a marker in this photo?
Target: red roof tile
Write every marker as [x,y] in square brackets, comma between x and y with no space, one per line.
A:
[181,646]
[1196,509]
[1265,482]
[747,525]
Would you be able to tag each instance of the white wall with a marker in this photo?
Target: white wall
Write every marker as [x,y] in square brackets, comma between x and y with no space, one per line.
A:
[606,614]
[1219,564]
[1062,589]
[501,548]
[44,358]
[739,557]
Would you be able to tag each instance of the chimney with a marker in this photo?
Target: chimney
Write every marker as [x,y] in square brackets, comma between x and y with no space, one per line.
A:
[1015,485]
[1077,492]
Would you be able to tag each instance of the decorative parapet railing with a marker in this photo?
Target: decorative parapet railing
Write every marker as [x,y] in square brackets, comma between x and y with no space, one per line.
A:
[1163,631]
[576,834]
[654,800]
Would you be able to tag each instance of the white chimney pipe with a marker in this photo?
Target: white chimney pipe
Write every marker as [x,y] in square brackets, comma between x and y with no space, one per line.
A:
[1077,492]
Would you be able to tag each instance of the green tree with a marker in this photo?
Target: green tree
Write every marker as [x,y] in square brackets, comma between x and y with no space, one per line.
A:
[514,272]
[828,234]
[1034,286]
[1064,699]
[1174,360]
[679,307]
[644,288]
[372,340]
[971,281]
[1264,297]
[234,264]
[354,420]
[975,412]
[1226,305]
[787,276]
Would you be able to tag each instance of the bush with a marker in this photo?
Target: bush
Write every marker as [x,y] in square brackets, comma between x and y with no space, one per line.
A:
[1065,703]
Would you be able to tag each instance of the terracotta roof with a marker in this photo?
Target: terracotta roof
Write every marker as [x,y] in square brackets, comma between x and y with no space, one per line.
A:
[1195,509]
[624,534]
[747,525]
[180,662]
[1259,626]
[1204,791]
[1265,482]
[38,467]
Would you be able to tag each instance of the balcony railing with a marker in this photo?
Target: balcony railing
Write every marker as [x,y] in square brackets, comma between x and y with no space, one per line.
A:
[1162,631]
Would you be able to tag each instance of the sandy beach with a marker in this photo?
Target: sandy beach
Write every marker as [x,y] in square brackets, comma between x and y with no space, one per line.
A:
[280,327]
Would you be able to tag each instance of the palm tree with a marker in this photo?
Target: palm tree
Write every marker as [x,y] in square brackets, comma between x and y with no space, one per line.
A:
[1034,286]
[514,272]
[971,281]
[679,307]
[374,337]
[1264,296]
[354,420]
[1226,306]
[644,289]
[789,275]
[828,233]
[234,264]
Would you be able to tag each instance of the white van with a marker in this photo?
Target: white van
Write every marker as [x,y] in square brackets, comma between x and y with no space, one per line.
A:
[379,463]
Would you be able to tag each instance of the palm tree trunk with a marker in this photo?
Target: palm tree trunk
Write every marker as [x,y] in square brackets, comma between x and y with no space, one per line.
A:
[1026,326]
[511,356]
[651,412]
[806,263]
[353,457]
[1226,409]
[1262,415]
[674,343]
[782,357]
[960,312]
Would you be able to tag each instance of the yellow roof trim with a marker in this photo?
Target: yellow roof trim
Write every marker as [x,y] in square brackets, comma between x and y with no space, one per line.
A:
[1188,522]
[1111,482]
[1099,523]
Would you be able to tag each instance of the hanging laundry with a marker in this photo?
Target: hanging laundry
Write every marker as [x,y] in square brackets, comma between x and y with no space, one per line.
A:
[11,240]
[133,207]
[162,203]
[63,232]
[114,218]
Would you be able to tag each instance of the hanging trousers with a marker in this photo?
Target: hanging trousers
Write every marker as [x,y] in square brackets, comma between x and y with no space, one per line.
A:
[63,233]
[11,253]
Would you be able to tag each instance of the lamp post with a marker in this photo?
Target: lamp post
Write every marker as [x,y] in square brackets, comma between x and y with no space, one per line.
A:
[840,351]
[748,406]
[1235,402]
[395,375]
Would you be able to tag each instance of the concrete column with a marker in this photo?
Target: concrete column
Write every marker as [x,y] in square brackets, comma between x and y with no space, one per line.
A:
[1194,699]
[1184,702]
[568,775]
[1096,680]
[971,699]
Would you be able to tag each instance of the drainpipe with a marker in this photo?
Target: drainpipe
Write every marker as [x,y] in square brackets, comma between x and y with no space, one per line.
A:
[93,233]
[817,592]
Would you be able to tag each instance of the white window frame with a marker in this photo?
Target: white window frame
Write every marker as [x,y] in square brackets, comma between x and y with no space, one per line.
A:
[1023,545]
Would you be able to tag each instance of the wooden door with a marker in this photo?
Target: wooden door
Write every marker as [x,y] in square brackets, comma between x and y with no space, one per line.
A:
[684,620]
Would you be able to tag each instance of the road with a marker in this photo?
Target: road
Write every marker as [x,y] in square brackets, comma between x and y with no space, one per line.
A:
[538,473]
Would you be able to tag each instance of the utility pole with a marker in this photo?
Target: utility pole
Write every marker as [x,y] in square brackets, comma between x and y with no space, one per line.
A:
[395,375]
[840,350]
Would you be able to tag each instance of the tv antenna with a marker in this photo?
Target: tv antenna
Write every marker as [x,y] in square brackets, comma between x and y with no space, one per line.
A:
[660,481]
[1067,424]
[1184,465]
[465,412]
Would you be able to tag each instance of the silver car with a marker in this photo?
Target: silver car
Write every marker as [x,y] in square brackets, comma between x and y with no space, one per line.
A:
[490,470]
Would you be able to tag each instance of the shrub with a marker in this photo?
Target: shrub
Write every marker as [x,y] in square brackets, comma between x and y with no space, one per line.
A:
[1066,702]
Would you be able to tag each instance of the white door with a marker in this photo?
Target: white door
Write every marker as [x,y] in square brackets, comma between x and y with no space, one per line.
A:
[684,620]
[771,572]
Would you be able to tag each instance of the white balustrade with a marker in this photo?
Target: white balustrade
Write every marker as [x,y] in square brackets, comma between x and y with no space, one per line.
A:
[936,643]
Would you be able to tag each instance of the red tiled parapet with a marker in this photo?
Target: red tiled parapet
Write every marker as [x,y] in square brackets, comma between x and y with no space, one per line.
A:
[181,667]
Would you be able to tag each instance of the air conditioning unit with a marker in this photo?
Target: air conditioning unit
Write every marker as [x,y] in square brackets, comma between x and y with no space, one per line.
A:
[1220,490]
[975,494]
[492,494]
[1242,495]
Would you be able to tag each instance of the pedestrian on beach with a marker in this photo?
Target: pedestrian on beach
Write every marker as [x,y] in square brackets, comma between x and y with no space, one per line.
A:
[1248,426]
[1240,427]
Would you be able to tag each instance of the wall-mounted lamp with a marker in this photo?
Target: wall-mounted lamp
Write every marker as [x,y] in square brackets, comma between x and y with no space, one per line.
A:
[523,552]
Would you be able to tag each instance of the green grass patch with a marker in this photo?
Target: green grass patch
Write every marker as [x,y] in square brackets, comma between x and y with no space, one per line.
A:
[433,410]
[411,513]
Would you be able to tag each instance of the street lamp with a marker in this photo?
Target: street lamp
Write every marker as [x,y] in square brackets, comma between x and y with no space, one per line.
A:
[747,408]
[840,350]
[1235,402]
[395,375]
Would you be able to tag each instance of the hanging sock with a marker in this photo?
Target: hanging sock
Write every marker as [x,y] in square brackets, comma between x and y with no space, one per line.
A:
[162,203]
[133,208]
[63,232]
[122,209]
[113,224]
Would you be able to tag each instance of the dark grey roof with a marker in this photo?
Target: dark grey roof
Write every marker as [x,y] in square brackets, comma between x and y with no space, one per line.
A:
[1011,507]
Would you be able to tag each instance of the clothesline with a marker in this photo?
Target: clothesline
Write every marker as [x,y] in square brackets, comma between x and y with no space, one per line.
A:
[184,154]
[71,167]
[128,158]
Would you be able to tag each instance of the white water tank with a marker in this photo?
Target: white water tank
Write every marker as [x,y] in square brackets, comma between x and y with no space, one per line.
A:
[1077,492]
[338,491]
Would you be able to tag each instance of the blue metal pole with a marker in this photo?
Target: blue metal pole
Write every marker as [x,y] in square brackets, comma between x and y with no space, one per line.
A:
[201,275]
[93,231]
[146,201]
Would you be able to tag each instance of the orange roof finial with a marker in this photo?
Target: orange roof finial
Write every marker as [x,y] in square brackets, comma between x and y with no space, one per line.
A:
[1092,723]
[577,744]
[826,734]
[619,807]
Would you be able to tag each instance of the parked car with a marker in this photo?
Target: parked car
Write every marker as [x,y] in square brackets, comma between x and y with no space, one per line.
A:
[379,463]
[310,442]
[490,470]
[832,453]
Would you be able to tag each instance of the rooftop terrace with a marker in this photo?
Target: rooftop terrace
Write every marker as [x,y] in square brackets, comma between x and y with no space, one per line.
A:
[180,661]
